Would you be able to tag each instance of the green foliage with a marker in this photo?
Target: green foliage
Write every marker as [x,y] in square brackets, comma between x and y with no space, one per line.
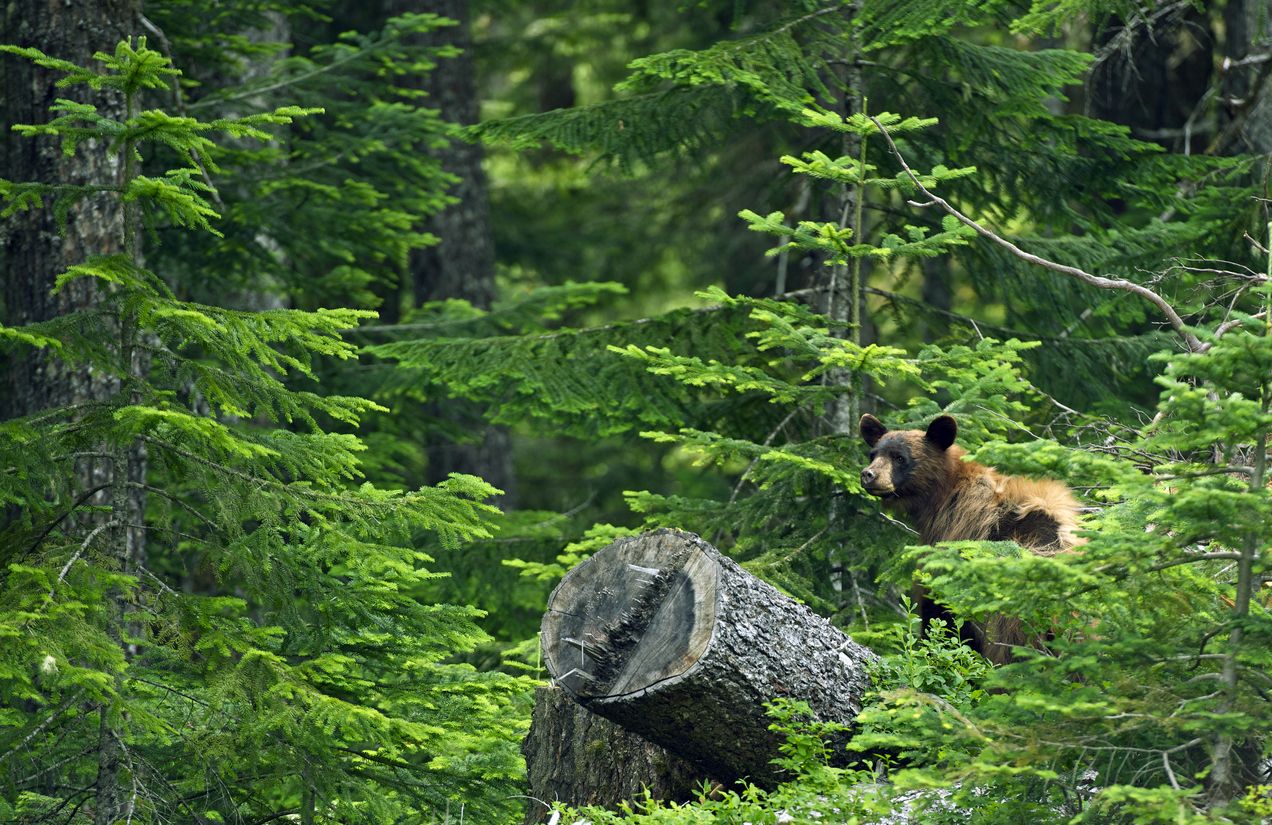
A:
[892,24]
[597,537]
[1147,688]
[499,358]
[679,101]
[1076,189]
[932,660]
[770,67]
[286,645]
[221,593]
[1047,15]
[816,790]
[740,387]
[341,200]
[1153,690]
[806,746]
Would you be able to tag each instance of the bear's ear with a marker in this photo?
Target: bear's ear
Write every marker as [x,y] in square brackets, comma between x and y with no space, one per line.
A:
[872,429]
[942,431]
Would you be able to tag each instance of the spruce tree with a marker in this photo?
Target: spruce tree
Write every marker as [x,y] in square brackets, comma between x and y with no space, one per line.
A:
[1151,705]
[329,212]
[1150,708]
[247,639]
[1148,703]
[1072,187]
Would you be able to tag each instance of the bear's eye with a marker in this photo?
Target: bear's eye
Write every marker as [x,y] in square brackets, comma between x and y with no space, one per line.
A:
[872,454]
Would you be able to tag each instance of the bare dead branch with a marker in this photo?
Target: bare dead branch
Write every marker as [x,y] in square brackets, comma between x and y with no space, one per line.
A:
[48,720]
[66,568]
[767,442]
[1193,343]
[1228,326]
[87,494]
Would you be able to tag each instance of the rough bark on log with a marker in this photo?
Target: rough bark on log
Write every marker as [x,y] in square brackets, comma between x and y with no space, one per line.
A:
[579,758]
[665,636]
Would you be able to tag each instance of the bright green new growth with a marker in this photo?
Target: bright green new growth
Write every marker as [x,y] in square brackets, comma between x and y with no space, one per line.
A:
[1154,701]
[1151,706]
[266,647]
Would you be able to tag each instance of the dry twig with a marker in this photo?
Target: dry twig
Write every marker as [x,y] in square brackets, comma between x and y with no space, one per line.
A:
[1193,343]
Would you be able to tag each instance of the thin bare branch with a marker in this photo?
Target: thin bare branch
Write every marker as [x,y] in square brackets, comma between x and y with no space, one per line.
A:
[1228,326]
[48,720]
[767,442]
[85,496]
[1193,343]
[66,568]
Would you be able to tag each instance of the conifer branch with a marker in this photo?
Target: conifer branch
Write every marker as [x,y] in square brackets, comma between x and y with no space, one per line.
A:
[996,330]
[162,584]
[175,500]
[53,525]
[790,24]
[542,336]
[255,91]
[737,488]
[48,720]
[179,102]
[1193,343]
[65,760]
[1228,326]
[66,568]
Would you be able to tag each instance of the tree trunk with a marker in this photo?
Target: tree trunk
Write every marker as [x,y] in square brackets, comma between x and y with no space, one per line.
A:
[842,286]
[665,636]
[1247,126]
[462,263]
[35,251]
[843,290]
[578,758]
[937,293]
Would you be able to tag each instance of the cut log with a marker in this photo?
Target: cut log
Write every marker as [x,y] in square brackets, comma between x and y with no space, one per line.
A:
[668,638]
[579,758]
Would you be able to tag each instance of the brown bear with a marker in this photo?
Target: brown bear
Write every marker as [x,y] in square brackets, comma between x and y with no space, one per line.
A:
[922,475]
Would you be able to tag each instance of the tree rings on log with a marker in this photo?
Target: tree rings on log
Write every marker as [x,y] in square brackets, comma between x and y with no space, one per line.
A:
[663,635]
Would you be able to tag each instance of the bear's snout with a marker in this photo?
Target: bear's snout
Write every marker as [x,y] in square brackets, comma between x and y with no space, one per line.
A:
[875,482]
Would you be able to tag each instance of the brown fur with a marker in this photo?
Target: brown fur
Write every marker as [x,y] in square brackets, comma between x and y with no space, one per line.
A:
[922,475]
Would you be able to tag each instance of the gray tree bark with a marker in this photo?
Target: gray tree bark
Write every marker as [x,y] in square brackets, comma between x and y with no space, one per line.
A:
[578,758]
[842,286]
[1245,89]
[462,263]
[843,289]
[668,638]
[35,251]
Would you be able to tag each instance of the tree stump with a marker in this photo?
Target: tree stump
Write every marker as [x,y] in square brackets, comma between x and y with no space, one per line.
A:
[668,638]
[579,758]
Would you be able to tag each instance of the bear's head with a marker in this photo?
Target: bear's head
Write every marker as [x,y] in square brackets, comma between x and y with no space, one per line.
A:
[905,462]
